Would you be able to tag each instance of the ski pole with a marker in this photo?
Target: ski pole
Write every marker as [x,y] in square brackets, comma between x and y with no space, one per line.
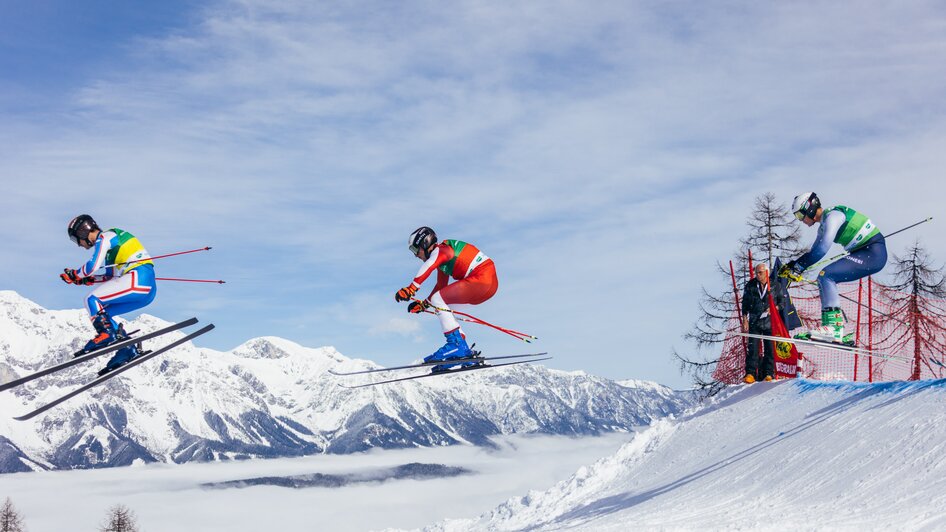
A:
[846,253]
[852,300]
[515,334]
[471,319]
[909,227]
[467,320]
[158,257]
[218,281]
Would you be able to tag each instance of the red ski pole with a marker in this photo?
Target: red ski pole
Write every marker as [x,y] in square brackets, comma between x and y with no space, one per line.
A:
[511,332]
[218,281]
[158,257]
[473,319]
[517,335]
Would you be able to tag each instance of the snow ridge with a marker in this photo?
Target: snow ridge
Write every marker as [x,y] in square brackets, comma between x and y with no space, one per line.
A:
[792,455]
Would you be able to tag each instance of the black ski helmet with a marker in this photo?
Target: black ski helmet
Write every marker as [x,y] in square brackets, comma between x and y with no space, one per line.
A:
[80,227]
[806,204]
[421,239]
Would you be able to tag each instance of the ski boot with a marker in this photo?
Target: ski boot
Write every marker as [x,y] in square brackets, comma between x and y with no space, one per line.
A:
[832,327]
[455,347]
[122,357]
[108,334]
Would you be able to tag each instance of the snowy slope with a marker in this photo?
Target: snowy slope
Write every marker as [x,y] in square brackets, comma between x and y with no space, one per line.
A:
[794,455]
[271,397]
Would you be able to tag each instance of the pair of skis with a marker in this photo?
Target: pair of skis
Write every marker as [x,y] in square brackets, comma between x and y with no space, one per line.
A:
[113,373]
[840,347]
[480,363]
[854,349]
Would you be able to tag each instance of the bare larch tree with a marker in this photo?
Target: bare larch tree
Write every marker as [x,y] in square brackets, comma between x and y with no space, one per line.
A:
[917,300]
[120,519]
[10,520]
[773,233]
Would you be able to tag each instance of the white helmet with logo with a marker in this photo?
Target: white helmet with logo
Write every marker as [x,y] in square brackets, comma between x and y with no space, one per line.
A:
[806,204]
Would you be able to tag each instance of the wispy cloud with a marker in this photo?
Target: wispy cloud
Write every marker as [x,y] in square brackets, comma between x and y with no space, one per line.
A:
[604,155]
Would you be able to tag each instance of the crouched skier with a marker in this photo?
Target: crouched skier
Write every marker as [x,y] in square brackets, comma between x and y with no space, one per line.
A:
[128,283]
[475,282]
[866,255]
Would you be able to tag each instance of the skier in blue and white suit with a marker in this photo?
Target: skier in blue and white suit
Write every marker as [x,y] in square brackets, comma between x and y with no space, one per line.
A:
[128,283]
[867,255]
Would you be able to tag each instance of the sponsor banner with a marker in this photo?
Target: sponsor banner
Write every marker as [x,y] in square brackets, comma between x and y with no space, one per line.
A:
[786,353]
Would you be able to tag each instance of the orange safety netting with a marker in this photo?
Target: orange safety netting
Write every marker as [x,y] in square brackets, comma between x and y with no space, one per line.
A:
[905,338]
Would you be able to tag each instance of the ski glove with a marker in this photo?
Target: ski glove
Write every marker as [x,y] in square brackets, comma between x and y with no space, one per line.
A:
[70,276]
[416,307]
[791,270]
[405,294]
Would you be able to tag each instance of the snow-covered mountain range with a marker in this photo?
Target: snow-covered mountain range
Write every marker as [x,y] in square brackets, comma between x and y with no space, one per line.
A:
[273,398]
[789,455]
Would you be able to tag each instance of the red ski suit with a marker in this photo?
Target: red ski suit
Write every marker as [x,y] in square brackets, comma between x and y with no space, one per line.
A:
[474,272]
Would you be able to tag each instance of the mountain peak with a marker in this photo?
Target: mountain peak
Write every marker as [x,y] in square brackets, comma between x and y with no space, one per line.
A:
[274,347]
[147,322]
[12,298]
[271,397]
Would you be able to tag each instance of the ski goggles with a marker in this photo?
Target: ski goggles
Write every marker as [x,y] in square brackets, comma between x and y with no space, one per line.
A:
[808,209]
[414,249]
[79,234]
[805,210]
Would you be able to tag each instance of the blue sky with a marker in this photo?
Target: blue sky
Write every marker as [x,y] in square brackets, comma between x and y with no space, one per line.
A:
[604,155]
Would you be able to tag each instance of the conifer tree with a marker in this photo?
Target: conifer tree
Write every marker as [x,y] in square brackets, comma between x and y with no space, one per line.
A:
[10,520]
[120,519]
[918,308]
[773,233]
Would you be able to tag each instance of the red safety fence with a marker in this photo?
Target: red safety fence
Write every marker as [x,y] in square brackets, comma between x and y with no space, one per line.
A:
[906,335]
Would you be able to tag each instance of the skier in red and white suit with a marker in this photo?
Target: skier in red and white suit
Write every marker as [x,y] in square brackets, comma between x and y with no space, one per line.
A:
[475,282]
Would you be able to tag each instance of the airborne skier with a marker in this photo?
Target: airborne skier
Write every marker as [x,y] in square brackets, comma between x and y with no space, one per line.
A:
[128,283]
[476,282]
[866,255]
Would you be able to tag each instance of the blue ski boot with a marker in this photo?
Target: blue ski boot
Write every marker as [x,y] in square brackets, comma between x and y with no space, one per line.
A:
[454,348]
[107,333]
[124,356]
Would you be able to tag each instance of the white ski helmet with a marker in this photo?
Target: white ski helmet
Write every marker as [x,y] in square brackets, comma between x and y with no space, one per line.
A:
[421,239]
[806,204]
